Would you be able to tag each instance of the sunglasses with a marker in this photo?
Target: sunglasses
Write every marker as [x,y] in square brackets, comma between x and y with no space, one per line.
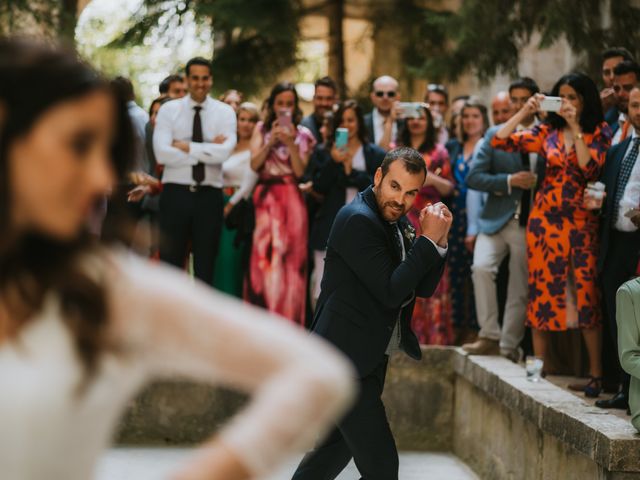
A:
[391,94]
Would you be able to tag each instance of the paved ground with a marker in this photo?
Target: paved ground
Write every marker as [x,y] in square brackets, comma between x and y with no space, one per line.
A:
[157,463]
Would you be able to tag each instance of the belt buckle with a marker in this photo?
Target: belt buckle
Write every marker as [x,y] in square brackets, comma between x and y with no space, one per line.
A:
[193,187]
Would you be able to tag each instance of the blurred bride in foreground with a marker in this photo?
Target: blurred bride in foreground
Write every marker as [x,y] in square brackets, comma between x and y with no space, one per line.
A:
[84,325]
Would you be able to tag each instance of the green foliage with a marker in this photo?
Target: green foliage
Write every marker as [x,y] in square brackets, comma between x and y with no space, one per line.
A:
[486,36]
[48,18]
[255,40]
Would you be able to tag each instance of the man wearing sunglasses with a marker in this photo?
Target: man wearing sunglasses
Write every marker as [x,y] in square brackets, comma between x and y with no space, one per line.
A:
[382,123]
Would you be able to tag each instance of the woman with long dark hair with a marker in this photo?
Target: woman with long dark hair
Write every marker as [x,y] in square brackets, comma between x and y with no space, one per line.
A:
[280,150]
[562,235]
[342,173]
[431,319]
[84,325]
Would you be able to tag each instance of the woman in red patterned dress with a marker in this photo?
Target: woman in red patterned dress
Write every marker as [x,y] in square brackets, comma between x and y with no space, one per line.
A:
[431,319]
[562,235]
[280,149]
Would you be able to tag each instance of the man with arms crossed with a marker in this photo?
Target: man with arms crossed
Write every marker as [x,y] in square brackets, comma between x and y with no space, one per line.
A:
[373,271]
[193,137]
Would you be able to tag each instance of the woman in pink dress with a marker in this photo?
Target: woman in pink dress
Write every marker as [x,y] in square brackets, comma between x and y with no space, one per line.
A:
[431,319]
[280,150]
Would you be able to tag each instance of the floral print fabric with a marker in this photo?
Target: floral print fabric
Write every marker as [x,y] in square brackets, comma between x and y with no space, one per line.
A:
[562,236]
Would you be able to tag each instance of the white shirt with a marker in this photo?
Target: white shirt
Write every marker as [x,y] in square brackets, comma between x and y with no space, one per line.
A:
[357,163]
[139,119]
[237,172]
[378,127]
[175,122]
[617,138]
[631,196]
[162,326]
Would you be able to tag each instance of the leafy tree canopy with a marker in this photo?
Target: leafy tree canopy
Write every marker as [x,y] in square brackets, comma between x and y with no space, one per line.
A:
[486,36]
[254,40]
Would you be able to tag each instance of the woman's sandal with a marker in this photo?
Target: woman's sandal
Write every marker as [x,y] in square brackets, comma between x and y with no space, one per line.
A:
[593,388]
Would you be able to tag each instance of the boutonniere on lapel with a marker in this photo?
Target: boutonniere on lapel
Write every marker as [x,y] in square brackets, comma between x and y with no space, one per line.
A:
[409,233]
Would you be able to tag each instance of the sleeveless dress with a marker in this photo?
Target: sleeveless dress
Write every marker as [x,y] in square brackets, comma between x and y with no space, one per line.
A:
[463,307]
[277,277]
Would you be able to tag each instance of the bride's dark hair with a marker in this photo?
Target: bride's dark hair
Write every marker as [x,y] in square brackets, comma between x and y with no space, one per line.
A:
[35,77]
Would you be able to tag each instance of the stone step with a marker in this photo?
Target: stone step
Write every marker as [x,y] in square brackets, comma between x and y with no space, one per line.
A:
[126,463]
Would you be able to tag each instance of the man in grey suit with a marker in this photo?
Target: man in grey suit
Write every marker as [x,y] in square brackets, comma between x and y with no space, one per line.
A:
[509,179]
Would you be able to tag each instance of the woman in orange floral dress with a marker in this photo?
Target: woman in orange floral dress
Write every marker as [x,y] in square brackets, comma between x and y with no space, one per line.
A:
[562,235]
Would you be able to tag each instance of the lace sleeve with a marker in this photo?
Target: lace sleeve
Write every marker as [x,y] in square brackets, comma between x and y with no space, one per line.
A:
[300,384]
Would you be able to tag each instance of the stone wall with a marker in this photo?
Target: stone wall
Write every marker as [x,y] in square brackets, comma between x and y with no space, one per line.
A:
[481,408]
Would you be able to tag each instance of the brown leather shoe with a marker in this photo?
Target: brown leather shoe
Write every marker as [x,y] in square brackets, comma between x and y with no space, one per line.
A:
[482,346]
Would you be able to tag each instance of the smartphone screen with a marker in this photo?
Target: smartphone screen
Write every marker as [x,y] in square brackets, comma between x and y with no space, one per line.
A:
[284,118]
[551,104]
[342,137]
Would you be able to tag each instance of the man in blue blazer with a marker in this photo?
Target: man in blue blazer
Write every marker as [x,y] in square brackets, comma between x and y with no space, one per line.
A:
[509,179]
[374,270]
[619,235]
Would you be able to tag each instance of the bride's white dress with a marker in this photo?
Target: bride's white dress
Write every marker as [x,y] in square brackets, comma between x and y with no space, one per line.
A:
[161,325]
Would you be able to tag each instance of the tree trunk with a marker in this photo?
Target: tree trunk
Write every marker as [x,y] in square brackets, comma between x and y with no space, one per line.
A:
[335,13]
[68,21]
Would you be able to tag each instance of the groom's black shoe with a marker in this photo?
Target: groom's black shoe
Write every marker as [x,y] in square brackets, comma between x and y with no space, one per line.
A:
[619,400]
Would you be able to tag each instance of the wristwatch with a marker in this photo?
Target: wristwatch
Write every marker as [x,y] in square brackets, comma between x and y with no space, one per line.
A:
[580,136]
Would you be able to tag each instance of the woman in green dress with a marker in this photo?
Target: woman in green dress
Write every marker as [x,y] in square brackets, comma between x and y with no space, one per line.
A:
[239,180]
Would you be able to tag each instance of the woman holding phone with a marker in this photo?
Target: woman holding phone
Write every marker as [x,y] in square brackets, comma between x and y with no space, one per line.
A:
[84,325]
[431,319]
[280,150]
[562,235]
[346,165]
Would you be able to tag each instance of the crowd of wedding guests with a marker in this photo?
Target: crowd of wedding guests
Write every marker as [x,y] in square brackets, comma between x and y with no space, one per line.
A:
[545,202]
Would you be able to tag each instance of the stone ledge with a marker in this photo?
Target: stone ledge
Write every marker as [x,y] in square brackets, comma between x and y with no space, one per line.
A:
[608,440]
[481,408]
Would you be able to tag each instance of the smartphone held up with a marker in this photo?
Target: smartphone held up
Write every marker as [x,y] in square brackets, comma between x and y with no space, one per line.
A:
[551,104]
[342,137]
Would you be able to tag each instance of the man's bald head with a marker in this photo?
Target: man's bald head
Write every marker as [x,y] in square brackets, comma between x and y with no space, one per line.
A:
[384,93]
[501,108]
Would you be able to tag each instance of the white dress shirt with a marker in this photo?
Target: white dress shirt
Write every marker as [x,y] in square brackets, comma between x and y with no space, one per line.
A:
[631,196]
[378,127]
[175,122]
[139,119]
[237,172]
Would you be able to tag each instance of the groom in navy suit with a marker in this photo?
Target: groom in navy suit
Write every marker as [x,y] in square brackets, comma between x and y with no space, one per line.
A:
[374,270]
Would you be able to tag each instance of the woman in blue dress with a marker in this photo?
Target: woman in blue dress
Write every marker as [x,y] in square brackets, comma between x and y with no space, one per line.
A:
[473,124]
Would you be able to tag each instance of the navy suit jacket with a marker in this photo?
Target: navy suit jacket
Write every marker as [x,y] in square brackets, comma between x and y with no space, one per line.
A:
[610,178]
[310,122]
[366,283]
[611,117]
[331,181]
